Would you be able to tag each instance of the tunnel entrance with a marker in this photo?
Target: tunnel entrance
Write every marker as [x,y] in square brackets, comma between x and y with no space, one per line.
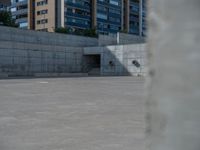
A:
[92,64]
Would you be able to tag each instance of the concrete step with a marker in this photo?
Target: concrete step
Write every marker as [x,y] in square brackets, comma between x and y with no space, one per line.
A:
[94,72]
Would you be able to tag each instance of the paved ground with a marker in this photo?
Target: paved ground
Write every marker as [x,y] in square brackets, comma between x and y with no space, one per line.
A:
[99,113]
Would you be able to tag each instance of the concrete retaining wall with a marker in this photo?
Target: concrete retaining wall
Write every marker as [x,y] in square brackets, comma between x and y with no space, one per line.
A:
[44,38]
[130,39]
[25,52]
[120,38]
[28,53]
[17,61]
[107,40]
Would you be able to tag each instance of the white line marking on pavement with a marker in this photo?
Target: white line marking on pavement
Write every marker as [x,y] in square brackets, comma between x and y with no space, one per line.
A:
[44,82]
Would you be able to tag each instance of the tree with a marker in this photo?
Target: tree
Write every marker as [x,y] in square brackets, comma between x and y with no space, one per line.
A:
[84,32]
[62,30]
[90,32]
[6,19]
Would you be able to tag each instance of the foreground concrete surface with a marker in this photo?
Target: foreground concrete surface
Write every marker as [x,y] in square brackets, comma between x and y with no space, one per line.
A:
[174,99]
[99,113]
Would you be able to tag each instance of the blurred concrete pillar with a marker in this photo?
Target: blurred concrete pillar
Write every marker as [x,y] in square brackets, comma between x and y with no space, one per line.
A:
[174,105]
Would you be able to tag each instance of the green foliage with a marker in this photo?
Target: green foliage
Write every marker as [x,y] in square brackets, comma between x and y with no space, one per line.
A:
[90,32]
[6,19]
[62,30]
[124,31]
[85,32]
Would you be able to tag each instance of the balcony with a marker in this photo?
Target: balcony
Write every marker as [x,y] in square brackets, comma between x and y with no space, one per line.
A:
[134,19]
[109,5]
[20,12]
[78,15]
[25,2]
[76,5]
[77,24]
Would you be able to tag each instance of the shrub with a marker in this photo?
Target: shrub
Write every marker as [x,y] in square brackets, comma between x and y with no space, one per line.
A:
[6,19]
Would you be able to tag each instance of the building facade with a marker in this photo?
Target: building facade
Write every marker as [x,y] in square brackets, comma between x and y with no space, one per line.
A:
[45,15]
[106,16]
[144,16]
[19,10]
[135,17]
[4,4]
[78,14]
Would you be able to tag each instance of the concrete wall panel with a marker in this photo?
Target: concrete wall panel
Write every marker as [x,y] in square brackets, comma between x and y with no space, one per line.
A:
[31,52]
[122,57]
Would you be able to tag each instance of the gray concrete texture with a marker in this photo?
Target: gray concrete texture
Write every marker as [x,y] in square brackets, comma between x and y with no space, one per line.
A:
[122,56]
[107,40]
[174,37]
[93,113]
[45,38]
[26,53]
[120,39]
[125,38]
[25,59]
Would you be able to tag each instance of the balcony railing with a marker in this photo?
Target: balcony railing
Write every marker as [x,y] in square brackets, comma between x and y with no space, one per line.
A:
[78,15]
[84,7]
[77,24]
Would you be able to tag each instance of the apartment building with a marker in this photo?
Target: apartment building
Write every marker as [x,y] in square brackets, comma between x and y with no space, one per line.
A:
[45,15]
[107,16]
[19,10]
[135,17]
[4,5]
[77,14]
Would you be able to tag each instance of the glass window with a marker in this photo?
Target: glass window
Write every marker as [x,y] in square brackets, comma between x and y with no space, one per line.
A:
[13,9]
[102,16]
[23,24]
[114,2]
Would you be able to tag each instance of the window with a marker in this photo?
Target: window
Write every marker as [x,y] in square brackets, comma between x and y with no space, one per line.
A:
[101,8]
[13,9]
[114,19]
[113,27]
[79,21]
[114,2]
[43,21]
[44,2]
[114,11]
[102,16]
[23,24]
[42,12]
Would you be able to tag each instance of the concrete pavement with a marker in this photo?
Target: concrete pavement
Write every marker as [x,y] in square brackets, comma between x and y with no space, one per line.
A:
[90,113]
